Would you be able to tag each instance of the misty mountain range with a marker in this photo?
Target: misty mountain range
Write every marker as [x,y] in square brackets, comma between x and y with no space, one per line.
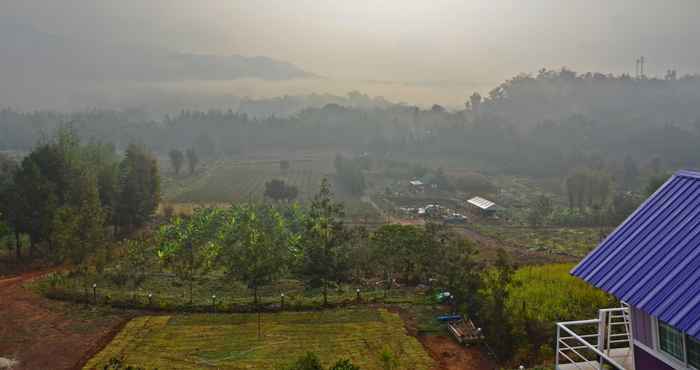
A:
[30,54]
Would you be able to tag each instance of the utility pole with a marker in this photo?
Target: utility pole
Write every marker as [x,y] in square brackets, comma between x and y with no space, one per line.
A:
[636,68]
[641,62]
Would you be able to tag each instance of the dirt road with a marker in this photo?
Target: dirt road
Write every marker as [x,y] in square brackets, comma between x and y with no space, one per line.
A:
[45,334]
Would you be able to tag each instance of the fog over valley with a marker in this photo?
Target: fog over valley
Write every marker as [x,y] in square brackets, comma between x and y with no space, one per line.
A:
[349,185]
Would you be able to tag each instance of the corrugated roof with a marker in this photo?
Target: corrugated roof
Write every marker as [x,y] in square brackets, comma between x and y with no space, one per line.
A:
[481,203]
[652,260]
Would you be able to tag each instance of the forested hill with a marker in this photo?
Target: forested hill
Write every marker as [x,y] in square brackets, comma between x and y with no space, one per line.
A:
[541,125]
[527,100]
[32,55]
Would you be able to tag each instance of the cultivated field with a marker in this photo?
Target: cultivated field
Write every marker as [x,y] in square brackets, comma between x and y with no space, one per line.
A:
[230,181]
[576,242]
[231,341]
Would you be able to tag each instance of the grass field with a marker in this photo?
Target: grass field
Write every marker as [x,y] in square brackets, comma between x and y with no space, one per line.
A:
[575,242]
[231,341]
[229,181]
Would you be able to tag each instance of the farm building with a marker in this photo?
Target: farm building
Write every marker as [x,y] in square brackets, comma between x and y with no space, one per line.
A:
[428,181]
[484,206]
[417,185]
[651,263]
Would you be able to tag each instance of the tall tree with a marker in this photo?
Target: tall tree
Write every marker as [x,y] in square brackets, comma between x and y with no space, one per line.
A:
[192,160]
[631,172]
[139,187]
[10,203]
[104,162]
[458,271]
[177,159]
[78,230]
[324,238]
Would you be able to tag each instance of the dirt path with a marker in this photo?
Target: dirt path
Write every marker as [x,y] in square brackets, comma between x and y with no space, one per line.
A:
[451,356]
[446,352]
[45,334]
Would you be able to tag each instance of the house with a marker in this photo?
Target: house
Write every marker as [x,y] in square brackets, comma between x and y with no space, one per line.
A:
[484,206]
[417,185]
[651,263]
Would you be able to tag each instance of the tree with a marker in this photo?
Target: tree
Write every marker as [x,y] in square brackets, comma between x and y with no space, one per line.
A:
[139,255]
[459,273]
[540,210]
[475,103]
[139,187]
[323,242]
[4,232]
[255,245]
[38,197]
[398,249]
[655,183]
[588,188]
[631,172]
[177,159]
[350,175]
[78,230]
[58,176]
[499,325]
[192,160]
[11,208]
[188,246]
[361,253]
[278,190]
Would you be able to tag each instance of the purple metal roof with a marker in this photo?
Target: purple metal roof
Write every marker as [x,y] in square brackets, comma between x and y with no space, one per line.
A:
[652,260]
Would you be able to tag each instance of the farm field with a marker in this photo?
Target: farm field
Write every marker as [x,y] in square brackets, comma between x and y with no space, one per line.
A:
[231,341]
[576,242]
[228,181]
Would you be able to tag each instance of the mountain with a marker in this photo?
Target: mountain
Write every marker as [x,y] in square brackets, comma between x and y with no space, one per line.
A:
[31,55]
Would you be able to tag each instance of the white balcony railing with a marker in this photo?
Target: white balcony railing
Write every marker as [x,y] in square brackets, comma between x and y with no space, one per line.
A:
[591,344]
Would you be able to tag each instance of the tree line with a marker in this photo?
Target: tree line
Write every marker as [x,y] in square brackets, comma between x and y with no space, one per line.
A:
[540,124]
[177,160]
[67,197]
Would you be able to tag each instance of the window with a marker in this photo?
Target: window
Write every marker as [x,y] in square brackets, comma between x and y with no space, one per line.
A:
[693,351]
[671,340]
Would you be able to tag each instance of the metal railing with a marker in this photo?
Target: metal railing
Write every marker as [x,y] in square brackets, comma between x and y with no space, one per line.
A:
[596,340]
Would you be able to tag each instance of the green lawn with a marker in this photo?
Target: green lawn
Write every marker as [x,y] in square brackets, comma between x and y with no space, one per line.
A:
[231,341]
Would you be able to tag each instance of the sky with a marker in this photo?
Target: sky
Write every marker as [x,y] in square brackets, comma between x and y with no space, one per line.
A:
[450,44]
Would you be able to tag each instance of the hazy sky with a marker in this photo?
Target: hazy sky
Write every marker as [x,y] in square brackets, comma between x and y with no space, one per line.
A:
[474,42]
